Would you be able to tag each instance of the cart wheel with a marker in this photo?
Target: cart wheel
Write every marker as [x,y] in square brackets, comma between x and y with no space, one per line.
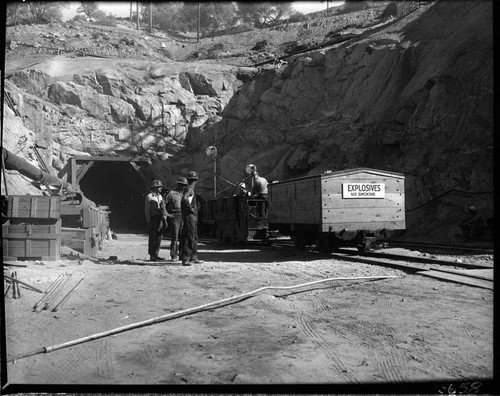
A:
[322,244]
[299,241]
[363,247]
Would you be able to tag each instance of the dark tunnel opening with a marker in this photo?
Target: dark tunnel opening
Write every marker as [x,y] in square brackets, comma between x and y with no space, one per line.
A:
[118,186]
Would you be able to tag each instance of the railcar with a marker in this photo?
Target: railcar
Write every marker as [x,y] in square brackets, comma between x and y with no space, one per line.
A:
[235,219]
[334,209]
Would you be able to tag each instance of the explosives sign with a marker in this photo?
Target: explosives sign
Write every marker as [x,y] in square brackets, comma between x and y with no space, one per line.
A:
[363,190]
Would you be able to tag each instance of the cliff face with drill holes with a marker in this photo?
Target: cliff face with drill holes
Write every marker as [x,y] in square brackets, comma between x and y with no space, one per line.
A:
[414,95]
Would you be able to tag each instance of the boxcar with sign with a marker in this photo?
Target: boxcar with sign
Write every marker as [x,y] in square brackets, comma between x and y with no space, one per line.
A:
[345,208]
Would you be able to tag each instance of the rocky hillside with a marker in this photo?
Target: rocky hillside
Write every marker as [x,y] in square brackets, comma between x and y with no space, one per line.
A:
[412,95]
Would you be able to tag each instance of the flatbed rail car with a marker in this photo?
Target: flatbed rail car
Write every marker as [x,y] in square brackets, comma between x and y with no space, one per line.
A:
[234,219]
[334,209]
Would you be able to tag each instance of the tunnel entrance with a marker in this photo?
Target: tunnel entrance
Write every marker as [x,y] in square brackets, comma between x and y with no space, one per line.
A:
[120,186]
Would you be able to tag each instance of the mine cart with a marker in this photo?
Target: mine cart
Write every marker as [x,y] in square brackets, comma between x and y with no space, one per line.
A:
[345,208]
[234,219]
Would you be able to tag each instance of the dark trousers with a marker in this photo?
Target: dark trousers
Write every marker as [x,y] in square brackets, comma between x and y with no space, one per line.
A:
[189,238]
[262,206]
[175,226]
[155,235]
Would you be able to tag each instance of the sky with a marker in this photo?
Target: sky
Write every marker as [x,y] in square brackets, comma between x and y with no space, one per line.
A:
[122,8]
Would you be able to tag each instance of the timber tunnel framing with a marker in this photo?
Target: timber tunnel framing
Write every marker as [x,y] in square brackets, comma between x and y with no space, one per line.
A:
[120,183]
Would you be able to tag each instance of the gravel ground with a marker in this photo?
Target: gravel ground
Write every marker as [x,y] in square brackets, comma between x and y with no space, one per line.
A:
[397,331]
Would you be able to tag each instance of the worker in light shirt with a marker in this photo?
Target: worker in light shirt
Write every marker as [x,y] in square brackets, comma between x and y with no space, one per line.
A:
[156,215]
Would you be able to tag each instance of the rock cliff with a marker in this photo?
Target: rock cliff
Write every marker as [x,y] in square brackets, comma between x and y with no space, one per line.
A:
[412,95]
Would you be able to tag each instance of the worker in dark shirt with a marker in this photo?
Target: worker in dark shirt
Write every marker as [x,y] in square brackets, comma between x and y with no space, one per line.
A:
[189,233]
[174,216]
[259,190]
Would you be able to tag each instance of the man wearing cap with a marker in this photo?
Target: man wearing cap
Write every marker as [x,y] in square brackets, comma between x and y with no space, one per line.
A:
[155,212]
[189,233]
[174,216]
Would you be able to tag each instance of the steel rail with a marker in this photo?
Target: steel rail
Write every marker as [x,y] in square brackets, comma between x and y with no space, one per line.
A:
[49,290]
[425,260]
[439,246]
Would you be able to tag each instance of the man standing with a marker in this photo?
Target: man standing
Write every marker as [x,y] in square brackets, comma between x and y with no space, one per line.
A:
[154,210]
[174,216]
[189,234]
[259,190]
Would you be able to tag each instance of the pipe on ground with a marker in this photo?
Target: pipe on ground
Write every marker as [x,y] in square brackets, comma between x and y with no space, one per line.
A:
[185,312]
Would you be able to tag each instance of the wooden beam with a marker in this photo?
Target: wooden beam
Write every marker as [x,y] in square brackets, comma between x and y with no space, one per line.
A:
[110,159]
[72,173]
[140,172]
[82,170]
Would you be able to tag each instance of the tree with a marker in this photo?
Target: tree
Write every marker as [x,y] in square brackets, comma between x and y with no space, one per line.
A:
[46,11]
[89,8]
[264,14]
[168,16]
[213,16]
[17,13]
[216,16]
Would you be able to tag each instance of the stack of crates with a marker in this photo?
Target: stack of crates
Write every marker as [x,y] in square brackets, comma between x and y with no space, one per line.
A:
[33,228]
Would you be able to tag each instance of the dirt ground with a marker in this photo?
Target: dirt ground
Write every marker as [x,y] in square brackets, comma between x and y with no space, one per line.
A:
[398,330]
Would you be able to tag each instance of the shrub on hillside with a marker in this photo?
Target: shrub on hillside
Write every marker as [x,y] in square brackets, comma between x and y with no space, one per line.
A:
[235,30]
[297,17]
[100,18]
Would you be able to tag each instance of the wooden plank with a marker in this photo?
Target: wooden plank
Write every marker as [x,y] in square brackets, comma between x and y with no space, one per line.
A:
[70,210]
[458,279]
[336,201]
[33,207]
[33,236]
[72,172]
[362,215]
[54,208]
[13,206]
[363,225]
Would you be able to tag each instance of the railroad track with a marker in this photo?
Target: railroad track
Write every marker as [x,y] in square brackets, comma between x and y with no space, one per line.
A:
[467,273]
[472,274]
[439,247]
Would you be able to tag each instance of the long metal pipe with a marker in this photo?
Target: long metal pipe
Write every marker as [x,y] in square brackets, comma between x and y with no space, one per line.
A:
[14,162]
[189,311]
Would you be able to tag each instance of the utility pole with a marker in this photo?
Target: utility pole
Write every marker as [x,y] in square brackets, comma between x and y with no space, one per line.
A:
[198,25]
[138,28]
[150,17]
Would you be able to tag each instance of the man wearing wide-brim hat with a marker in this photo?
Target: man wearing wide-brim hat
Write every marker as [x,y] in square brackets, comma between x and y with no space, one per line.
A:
[155,212]
[174,216]
[189,233]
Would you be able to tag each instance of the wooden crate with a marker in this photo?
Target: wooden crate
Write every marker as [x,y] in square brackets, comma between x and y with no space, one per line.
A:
[32,240]
[80,239]
[33,207]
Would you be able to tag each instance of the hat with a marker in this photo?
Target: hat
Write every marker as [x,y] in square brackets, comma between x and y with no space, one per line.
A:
[156,183]
[192,175]
[182,180]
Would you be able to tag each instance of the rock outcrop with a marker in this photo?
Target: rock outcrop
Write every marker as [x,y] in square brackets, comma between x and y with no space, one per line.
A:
[414,95]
